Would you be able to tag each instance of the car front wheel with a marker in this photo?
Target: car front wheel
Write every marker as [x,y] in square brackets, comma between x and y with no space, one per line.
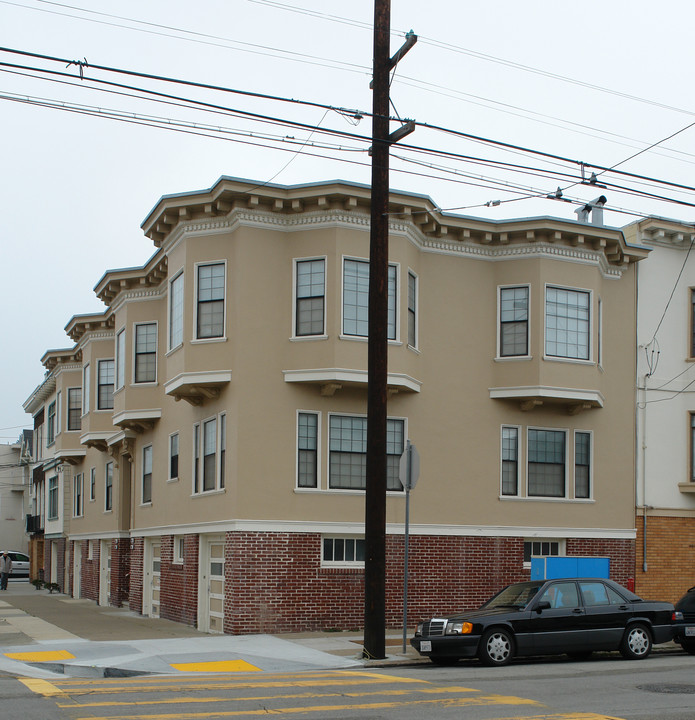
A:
[637,643]
[688,646]
[496,647]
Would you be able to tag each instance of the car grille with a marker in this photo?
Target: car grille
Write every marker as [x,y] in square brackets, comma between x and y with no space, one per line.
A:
[689,616]
[434,627]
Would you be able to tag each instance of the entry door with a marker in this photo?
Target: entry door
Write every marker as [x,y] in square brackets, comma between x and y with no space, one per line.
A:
[105,573]
[153,575]
[212,585]
[77,569]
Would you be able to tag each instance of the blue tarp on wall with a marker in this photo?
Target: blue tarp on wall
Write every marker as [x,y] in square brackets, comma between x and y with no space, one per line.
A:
[550,568]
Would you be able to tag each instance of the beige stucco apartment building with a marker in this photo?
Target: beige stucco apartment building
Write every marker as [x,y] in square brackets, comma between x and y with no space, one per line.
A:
[214,471]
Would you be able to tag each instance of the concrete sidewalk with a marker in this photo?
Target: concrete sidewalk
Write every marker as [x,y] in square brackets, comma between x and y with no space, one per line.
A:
[47,635]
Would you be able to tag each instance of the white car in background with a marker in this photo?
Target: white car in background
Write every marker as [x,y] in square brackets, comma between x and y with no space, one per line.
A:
[20,563]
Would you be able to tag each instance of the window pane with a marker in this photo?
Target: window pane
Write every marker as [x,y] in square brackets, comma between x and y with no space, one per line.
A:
[307,438]
[211,300]
[74,408]
[582,464]
[120,359]
[209,451]
[176,312]
[173,457]
[105,389]
[310,297]
[513,321]
[146,353]
[356,299]
[412,310]
[546,467]
[510,461]
[567,323]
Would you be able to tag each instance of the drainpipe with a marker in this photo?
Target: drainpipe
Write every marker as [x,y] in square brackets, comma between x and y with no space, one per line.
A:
[642,411]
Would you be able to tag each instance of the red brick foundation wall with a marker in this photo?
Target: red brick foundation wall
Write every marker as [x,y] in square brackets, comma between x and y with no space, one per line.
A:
[275,582]
[90,570]
[136,557]
[179,582]
[670,557]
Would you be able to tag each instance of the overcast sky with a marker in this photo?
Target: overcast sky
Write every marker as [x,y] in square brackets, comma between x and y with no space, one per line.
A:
[596,82]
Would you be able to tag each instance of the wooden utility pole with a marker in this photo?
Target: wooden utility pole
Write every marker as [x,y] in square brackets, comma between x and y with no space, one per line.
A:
[377,363]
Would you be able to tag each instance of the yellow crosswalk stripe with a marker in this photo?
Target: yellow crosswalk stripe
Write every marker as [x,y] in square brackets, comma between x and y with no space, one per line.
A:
[41,656]
[42,687]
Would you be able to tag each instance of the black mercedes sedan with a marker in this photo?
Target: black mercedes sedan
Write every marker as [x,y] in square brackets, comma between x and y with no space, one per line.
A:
[549,617]
[684,627]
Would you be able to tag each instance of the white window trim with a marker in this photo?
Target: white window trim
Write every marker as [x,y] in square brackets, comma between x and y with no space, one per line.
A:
[144,502]
[556,358]
[147,383]
[519,461]
[173,479]
[78,479]
[412,273]
[319,417]
[67,409]
[558,498]
[295,263]
[357,491]
[562,548]
[98,385]
[201,456]
[86,389]
[340,563]
[119,361]
[176,551]
[364,338]
[92,476]
[511,358]
[179,274]
[590,433]
[599,336]
[221,338]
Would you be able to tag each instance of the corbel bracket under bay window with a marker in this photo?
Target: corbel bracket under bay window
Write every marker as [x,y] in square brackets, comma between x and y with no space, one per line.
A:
[198,388]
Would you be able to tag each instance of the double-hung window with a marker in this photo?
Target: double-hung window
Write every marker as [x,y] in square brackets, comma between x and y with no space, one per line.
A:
[108,487]
[567,323]
[348,452]
[582,464]
[546,463]
[147,474]
[310,299]
[92,484]
[77,495]
[307,450]
[210,301]
[51,424]
[146,353]
[513,327]
[120,359]
[176,311]
[208,454]
[173,456]
[74,408]
[86,397]
[412,309]
[105,384]
[510,461]
[356,299]
[53,498]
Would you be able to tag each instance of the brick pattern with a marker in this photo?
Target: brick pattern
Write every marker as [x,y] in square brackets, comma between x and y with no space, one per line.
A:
[90,570]
[179,582]
[275,582]
[120,572]
[670,557]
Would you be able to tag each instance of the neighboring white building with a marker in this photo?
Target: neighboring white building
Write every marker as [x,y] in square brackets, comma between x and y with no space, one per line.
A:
[665,519]
[14,482]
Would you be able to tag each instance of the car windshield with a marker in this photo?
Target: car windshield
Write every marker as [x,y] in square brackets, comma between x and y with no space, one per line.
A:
[518,596]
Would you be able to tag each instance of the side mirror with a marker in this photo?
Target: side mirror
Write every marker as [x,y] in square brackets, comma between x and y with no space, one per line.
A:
[543,605]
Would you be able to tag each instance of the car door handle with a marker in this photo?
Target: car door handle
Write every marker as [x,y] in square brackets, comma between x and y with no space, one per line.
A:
[577,611]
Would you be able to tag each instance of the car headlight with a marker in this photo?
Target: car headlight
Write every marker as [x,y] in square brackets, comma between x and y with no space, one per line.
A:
[459,628]
[676,616]
[418,629]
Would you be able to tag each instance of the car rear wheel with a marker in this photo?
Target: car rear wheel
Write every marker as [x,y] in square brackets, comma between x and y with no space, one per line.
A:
[496,647]
[444,661]
[637,643]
